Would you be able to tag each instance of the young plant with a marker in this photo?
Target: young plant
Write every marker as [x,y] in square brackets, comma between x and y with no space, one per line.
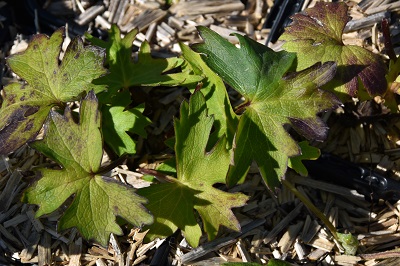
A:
[209,135]
[78,149]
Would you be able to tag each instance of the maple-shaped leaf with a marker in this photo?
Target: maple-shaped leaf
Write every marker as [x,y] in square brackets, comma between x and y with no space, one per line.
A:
[217,98]
[48,83]
[316,36]
[96,199]
[173,204]
[273,99]
[145,71]
[117,121]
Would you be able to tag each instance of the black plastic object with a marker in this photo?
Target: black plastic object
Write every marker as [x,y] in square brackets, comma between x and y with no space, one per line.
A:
[160,257]
[279,17]
[369,183]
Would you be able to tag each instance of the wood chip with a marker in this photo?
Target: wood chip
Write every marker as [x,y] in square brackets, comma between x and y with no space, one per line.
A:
[15,220]
[310,229]
[144,20]
[289,237]
[44,251]
[9,193]
[89,14]
[75,251]
[316,254]
[243,251]
[320,242]
[218,243]
[377,240]
[35,222]
[198,7]
[283,223]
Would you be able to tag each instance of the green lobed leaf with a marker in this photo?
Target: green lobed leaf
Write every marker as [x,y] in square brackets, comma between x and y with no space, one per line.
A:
[217,99]
[273,100]
[97,199]
[117,122]
[145,71]
[316,36]
[47,83]
[173,203]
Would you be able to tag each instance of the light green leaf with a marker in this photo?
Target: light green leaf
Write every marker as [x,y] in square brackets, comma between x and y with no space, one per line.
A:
[273,99]
[349,243]
[97,199]
[217,99]
[48,83]
[173,203]
[146,71]
[117,122]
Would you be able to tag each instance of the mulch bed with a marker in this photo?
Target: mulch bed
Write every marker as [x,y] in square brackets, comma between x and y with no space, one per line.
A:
[273,225]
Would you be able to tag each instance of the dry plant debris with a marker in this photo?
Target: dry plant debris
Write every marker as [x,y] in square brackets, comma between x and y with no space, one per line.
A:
[273,226]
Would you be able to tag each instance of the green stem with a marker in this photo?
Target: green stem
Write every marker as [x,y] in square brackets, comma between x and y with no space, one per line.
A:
[312,207]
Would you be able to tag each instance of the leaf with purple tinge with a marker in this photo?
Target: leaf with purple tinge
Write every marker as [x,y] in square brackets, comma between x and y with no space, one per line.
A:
[48,83]
[316,36]
[273,98]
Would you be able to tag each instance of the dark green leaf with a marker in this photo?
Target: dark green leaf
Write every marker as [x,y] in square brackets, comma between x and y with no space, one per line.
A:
[117,122]
[273,99]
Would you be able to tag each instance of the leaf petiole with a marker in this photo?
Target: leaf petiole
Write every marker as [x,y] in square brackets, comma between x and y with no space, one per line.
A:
[163,178]
[312,208]
[241,107]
